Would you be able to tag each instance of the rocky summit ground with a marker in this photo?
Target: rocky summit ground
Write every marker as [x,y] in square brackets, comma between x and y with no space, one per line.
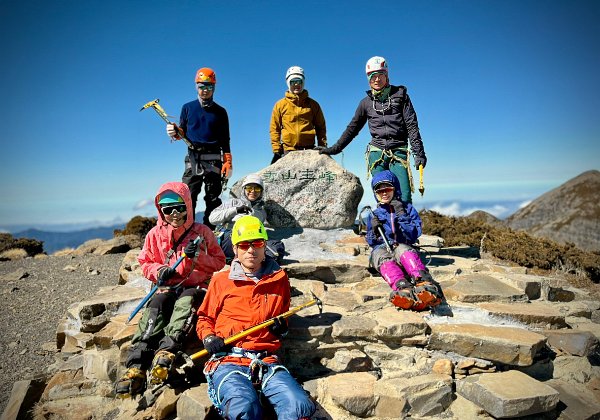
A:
[36,293]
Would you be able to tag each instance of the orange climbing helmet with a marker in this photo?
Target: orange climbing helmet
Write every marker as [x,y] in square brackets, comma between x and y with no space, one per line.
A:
[206,75]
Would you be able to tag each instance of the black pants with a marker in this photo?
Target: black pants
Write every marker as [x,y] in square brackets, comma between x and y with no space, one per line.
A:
[212,189]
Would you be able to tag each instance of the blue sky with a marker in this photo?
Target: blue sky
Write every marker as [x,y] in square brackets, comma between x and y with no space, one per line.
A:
[507,93]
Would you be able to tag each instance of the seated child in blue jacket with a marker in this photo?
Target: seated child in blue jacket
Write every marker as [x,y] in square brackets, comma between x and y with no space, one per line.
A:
[412,285]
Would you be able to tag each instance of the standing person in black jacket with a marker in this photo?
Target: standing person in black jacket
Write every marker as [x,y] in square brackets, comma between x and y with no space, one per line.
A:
[392,123]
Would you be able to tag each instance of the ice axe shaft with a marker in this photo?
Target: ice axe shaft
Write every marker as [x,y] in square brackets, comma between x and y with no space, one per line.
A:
[155,288]
[162,114]
[421,185]
[380,230]
[232,339]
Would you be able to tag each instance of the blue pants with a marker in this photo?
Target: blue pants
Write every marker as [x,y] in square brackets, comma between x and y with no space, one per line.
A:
[236,398]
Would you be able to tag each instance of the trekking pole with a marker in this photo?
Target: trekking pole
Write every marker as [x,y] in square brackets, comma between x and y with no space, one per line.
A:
[162,114]
[380,230]
[421,185]
[155,288]
[232,339]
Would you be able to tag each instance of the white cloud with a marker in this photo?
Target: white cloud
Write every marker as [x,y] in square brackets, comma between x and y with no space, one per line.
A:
[143,203]
[456,209]
[525,203]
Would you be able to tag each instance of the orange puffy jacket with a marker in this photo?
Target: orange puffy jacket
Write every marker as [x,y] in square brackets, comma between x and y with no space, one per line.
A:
[235,302]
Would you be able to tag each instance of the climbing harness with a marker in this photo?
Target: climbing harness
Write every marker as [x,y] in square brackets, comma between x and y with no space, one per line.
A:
[390,155]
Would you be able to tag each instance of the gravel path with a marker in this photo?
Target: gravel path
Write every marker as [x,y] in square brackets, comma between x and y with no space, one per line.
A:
[32,307]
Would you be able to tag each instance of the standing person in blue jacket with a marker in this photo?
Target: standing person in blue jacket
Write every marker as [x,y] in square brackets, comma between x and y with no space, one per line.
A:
[392,123]
[206,124]
[412,285]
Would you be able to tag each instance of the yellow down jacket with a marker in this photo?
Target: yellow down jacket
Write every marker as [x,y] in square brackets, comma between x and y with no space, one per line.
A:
[295,122]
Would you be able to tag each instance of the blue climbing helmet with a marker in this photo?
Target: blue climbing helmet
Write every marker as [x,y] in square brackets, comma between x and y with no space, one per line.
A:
[386,177]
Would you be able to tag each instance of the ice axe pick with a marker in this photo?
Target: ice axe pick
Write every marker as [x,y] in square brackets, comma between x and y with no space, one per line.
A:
[162,114]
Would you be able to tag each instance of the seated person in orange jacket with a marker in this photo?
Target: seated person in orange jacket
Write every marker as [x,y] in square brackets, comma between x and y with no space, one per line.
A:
[252,291]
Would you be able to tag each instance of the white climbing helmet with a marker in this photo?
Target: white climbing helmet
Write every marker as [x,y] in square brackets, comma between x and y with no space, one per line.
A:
[296,71]
[376,64]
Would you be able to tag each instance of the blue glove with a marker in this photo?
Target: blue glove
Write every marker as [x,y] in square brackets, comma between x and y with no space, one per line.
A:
[420,160]
[164,274]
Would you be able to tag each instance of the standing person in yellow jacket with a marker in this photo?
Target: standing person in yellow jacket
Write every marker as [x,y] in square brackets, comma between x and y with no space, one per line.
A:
[296,118]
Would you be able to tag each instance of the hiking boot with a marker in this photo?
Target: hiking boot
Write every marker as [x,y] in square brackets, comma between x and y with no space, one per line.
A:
[428,295]
[161,365]
[402,299]
[131,383]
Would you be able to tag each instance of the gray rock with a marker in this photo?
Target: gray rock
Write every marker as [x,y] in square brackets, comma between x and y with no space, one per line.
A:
[310,190]
[508,394]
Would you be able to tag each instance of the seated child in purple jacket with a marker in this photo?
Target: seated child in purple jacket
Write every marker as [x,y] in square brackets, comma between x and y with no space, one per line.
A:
[412,285]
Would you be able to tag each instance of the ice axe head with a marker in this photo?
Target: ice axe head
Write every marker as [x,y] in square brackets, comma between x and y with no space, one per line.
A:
[150,104]
[318,302]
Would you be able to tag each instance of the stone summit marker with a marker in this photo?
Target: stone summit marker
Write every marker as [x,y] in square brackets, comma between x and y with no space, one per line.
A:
[309,190]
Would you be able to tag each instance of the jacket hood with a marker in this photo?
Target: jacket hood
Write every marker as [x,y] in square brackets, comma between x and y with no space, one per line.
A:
[292,97]
[183,191]
[268,267]
[388,177]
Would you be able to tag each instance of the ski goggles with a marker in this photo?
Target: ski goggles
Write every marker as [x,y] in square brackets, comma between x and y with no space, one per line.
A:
[384,190]
[206,86]
[253,188]
[256,244]
[179,208]
[295,82]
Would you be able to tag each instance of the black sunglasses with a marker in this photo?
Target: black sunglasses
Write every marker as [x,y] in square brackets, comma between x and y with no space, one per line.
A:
[179,208]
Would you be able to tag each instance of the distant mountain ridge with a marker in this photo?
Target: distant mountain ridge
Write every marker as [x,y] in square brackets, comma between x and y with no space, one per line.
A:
[568,213]
[55,241]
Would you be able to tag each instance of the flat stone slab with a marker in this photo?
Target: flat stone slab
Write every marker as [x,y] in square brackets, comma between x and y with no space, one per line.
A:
[330,272]
[573,342]
[508,345]
[508,394]
[535,314]
[394,325]
[478,287]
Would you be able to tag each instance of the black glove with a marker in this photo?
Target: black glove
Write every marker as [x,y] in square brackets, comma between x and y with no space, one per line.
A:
[333,150]
[276,157]
[243,209]
[420,160]
[191,249]
[398,207]
[164,274]
[214,344]
[376,224]
[279,327]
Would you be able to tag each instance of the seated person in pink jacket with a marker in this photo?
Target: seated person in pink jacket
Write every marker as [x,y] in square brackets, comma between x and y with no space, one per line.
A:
[170,314]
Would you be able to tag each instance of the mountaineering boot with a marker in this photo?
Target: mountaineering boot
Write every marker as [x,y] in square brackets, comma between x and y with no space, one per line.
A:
[131,383]
[403,298]
[161,365]
[391,273]
[428,295]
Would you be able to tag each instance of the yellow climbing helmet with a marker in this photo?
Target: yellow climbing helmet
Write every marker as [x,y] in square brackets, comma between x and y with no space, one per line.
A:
[248,228]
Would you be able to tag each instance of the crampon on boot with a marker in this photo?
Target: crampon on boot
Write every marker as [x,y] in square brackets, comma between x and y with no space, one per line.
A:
[402,296]
[161,365]
[428,295]
[131,383]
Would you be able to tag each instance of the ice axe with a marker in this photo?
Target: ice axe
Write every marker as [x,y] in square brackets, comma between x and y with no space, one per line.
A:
[160,373]
[155,288]
[162,114]
[421,185]
[379,229]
